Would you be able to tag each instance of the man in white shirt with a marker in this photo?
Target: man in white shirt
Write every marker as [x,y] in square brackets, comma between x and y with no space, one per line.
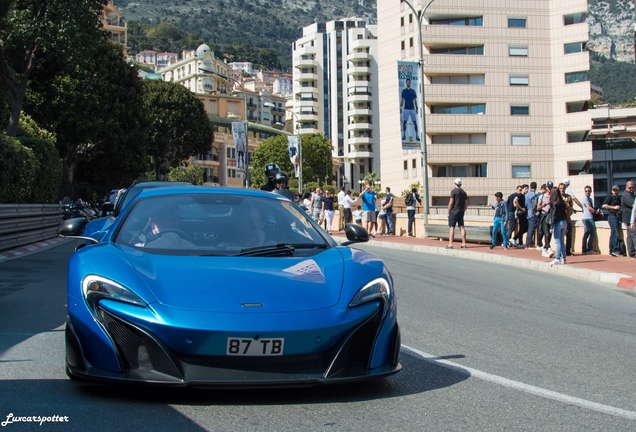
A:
[347,201]
[341,215]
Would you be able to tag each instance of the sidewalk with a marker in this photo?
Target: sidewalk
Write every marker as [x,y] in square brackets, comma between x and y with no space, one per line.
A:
[605,269]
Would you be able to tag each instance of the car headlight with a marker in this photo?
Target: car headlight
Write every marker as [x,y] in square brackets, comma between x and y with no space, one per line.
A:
[96,288]
[376,289]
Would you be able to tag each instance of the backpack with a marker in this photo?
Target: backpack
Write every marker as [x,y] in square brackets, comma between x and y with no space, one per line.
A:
[535,203]
[409,200]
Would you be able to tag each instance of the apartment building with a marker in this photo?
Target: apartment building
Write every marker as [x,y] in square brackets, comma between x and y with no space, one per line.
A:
[226,101]
[335,93]
[506,94]
[112,22]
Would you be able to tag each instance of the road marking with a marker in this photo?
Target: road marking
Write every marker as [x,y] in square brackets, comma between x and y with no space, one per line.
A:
[537,391]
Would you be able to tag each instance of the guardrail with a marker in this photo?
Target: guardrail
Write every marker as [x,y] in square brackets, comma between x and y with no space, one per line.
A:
[22,224]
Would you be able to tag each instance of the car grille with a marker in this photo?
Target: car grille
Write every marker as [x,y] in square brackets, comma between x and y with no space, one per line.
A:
[138,350]
[128,341]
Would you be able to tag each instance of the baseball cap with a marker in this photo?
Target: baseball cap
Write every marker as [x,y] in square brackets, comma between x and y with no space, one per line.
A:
[549,184]
[458,181]
[615,187]
[566,181]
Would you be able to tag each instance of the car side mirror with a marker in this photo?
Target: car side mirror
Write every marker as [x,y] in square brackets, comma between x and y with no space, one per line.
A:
[355,234]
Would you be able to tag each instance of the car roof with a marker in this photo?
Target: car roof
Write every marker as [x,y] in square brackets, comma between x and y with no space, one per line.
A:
[187,189]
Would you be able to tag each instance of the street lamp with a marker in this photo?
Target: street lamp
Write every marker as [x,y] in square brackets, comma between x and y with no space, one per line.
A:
[420,18]
[247,147]
[300,155]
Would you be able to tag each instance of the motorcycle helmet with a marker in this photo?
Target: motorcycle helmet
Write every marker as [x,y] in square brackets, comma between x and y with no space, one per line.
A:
[281,177]
[270,171]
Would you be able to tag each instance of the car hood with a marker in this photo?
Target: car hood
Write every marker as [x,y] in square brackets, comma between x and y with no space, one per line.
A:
[239,284]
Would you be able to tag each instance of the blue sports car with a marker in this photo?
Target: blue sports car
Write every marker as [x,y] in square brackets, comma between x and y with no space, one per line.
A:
[221,287]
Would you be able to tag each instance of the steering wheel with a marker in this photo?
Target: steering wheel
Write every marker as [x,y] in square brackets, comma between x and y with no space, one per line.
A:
[180,233]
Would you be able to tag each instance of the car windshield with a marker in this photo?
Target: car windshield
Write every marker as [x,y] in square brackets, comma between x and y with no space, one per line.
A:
[220,224]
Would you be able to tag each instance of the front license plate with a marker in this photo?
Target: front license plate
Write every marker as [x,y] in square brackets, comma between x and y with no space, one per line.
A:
[253,347]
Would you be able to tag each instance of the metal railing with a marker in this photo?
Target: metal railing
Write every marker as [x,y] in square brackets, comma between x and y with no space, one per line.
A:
[22,224]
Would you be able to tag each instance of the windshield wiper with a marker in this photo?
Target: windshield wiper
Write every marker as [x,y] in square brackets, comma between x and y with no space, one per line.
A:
[274,250]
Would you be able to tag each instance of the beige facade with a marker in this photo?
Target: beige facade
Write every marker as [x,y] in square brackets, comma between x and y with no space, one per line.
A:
[506,94]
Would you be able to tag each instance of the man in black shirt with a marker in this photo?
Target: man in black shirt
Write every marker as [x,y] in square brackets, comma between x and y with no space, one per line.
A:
[456,208]
[613,204]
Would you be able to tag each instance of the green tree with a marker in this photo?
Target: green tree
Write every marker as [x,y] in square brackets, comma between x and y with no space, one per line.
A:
[179,126]
[275,150]
[186,172]
[31,28]
[94,105]
[316,159]
[317,163]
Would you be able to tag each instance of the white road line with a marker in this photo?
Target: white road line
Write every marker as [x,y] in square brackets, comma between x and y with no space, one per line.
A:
[537,391]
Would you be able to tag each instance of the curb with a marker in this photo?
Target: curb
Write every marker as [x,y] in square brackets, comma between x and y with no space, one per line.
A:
[31,248]
[616,280]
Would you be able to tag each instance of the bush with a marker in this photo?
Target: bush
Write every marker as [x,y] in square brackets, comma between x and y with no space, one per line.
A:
[18,169]
[46,187]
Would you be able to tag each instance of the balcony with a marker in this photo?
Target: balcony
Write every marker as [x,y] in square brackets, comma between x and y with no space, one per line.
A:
[358,73]
[360,126]
[360,140]
[359,85]
[305,62]
[308,116]
[359,112]
[307,77]
[358,55]
[360,155]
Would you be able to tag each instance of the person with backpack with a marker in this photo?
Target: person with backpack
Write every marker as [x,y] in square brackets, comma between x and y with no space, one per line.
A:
[531,204]
[410,202]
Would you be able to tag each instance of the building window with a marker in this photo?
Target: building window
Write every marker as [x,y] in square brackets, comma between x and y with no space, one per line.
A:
[518,51]
[479,138]
[575,47]
[459,109]
[478,79]
[462,21]
[461,50]
[517,22]
[519,110]
[519,80]
[521,171]
[575,77]
[575,18]
[520,139]
[461,170]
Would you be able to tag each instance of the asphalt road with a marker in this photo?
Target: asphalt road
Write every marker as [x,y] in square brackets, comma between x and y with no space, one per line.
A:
[485,348]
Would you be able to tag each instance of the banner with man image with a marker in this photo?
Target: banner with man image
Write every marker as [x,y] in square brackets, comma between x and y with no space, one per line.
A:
[292,145]
[408,84]
[238,133]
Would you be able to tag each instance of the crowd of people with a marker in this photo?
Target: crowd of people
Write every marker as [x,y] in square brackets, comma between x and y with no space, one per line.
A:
[545,216]
[528,218]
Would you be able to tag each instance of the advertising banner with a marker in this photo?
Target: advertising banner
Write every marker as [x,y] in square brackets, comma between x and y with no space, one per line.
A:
[408,84]
[238,132]
[292,145]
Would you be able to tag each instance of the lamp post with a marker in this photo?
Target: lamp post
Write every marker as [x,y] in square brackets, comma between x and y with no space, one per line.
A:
[247,147]
[300,155]
[420,18]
